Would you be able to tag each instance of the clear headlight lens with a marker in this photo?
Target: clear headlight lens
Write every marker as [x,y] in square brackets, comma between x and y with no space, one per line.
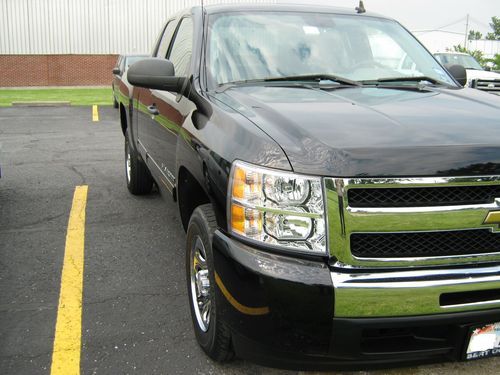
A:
[277,208]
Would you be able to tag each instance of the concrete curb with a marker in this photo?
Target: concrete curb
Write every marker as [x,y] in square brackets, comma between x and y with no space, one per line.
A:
[41,104]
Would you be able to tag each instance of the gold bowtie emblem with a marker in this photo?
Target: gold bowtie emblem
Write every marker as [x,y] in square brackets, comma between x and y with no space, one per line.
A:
[493,218]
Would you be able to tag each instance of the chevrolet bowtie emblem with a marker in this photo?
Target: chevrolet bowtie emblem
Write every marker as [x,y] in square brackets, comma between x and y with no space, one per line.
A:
[493,218]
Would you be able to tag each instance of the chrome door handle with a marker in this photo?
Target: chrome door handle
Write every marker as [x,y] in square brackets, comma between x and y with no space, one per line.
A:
[152,109]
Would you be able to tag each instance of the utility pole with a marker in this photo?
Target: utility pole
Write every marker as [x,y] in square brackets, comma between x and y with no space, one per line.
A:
[466,32]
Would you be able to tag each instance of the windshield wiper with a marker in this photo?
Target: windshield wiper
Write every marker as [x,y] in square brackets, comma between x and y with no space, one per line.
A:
[404,79]
[316,78]
[300,78]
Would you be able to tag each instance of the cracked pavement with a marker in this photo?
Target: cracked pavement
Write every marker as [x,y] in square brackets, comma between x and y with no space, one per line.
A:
[135,309]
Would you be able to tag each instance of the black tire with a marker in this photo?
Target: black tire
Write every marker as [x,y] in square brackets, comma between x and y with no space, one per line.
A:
[216,340]
[115,103]
[137,175]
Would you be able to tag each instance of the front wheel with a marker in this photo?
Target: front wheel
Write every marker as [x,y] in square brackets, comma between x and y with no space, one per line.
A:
[211,331]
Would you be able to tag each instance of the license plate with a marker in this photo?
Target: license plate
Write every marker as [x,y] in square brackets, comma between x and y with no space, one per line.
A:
[484,342]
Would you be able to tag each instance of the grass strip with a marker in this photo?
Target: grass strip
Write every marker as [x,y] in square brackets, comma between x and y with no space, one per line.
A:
[76,96]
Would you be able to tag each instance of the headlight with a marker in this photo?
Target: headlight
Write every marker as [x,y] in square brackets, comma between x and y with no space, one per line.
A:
[277,208]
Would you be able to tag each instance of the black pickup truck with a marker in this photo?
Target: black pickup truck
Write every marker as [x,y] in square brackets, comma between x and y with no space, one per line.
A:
[339,189]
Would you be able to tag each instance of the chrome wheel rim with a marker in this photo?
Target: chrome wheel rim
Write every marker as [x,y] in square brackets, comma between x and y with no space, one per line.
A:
[128,163]
[200,284]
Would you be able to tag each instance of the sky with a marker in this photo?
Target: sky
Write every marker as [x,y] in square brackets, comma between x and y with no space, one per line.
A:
[418,15]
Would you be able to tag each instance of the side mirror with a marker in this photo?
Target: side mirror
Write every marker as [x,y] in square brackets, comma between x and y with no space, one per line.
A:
[157,74]
[458,72]
[117,71]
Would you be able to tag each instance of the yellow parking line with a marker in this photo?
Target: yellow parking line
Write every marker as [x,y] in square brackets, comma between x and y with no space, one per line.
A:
[68,334]
[95,113]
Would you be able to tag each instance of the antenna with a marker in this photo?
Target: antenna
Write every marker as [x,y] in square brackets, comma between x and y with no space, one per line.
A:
[360,9]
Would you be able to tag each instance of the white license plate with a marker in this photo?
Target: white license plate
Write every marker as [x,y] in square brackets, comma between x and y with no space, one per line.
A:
[484,342]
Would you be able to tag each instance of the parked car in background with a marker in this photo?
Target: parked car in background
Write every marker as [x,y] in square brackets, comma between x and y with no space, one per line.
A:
[120,85]
[477,76]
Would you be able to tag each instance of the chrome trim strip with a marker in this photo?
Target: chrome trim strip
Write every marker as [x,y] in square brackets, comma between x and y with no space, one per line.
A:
[274,210]
[403,210]
[345,220]
[165,177]
[407,293]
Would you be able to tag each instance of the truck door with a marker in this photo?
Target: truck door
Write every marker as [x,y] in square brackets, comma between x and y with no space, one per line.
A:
[172,108]
[148,133]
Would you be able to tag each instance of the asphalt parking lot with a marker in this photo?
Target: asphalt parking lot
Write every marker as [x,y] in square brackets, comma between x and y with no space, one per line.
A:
[135,309]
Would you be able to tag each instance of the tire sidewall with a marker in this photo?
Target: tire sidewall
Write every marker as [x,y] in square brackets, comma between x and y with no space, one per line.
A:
[196,228]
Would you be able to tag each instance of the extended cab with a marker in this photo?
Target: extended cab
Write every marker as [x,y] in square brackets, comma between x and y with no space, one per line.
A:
[341,208]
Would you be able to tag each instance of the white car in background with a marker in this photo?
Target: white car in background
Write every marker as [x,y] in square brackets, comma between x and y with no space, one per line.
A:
[477,77]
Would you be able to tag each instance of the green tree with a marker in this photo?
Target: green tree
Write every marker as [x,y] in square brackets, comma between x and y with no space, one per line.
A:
[495,26]
[496,61]
[475,35]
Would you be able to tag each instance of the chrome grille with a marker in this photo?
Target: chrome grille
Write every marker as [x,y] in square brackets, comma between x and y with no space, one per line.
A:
[424,196]
[492,86]
[424,244]
[400,222]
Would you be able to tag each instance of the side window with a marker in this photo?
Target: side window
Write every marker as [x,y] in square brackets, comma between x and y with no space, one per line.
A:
[122,64]
[165,40]
[180,53]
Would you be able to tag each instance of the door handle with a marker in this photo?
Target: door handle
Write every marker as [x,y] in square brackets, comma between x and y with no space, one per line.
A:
[152,109]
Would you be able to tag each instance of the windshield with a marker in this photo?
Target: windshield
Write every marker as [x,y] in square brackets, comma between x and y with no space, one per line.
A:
[467,61]
[262,45]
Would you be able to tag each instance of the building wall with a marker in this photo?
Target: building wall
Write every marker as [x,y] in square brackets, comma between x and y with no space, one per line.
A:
[87,26]
[56,70]
[442,41]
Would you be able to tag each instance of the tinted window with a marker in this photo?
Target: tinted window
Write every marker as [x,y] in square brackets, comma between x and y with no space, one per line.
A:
[180,54]
[165,39]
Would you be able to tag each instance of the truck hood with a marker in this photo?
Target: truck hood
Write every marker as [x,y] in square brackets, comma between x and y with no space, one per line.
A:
[377,132]
[481,74]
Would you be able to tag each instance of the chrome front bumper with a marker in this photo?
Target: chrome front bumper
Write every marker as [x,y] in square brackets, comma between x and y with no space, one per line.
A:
[411,285]
[410,293]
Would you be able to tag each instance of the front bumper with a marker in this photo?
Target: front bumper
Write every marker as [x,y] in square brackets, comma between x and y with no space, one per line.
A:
[297,313]
[362,294]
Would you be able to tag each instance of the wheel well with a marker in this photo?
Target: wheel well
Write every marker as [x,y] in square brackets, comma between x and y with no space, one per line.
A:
[123,119]
[190,195]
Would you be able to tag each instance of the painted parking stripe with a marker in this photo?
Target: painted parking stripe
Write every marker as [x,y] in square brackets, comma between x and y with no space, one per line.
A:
[95,113]
[68,334]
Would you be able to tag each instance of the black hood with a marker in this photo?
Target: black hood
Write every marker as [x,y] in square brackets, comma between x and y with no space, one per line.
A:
[377,131]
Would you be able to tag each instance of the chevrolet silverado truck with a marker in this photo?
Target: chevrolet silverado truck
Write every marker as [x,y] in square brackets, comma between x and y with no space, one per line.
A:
[342,209]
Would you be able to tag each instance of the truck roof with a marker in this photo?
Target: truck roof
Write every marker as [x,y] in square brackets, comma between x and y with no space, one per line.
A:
[222,8]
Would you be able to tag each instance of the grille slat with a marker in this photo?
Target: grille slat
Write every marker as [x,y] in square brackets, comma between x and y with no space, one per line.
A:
[424,244]
[423,196]
[487,85]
